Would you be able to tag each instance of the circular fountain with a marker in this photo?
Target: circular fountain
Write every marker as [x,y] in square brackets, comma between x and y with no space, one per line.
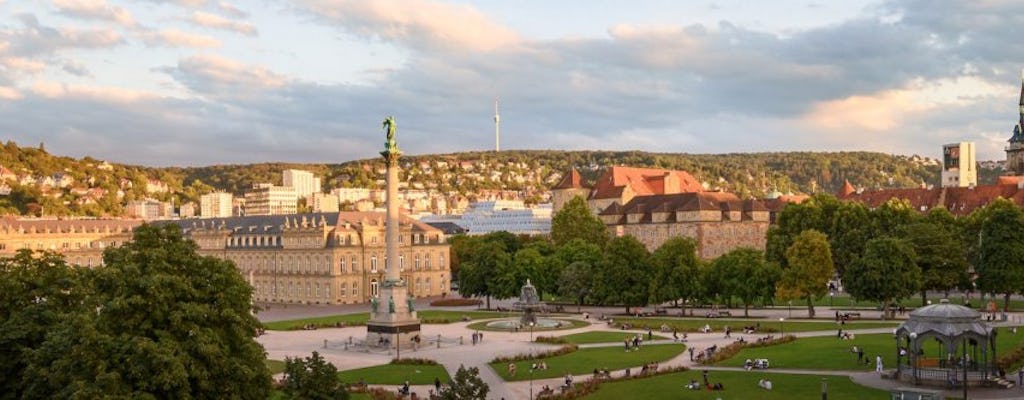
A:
[529,303]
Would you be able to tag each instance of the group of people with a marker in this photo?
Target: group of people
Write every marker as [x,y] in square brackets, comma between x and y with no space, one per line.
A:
[477,337]
[649,368]
[760,363]
[845,335]
[602,374]
[633,343]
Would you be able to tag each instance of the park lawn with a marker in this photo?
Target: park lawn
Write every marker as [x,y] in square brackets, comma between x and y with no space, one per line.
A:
[396,374]
[584,361]
[275,366]
[830,353]
[279,395]
[766,325]
[738,385]
[574,323]
[426,316]
[600,337]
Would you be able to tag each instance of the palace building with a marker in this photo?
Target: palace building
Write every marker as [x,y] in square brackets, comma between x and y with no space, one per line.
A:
[321,258]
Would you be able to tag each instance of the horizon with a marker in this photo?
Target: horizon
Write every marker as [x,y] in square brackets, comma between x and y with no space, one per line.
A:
[192,83]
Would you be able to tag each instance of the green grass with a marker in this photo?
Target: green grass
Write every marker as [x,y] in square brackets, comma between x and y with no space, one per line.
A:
[275,366]
[601,337]
[426,316]
[738,385]
[830,353]
[574,323]
[584,361]
[396,374]
[279,395]
[766,325]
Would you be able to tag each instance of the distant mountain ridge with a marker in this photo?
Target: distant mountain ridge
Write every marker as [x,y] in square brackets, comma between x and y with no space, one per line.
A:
[92,187]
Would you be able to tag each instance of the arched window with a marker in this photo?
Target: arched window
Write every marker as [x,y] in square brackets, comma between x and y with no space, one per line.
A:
[355,289]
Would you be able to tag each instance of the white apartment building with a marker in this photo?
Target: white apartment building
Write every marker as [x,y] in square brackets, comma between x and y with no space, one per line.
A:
[215,205]
[351,195]
[267,199]
[304,182]
[501,215]
[958,165]
[323,202]
[149,209]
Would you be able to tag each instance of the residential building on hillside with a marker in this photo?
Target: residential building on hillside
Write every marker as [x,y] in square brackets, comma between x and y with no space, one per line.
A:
[149,209]
[718,221]
[351,195]
[323,258]
[215,205]
[187,210]
[323,202]
[267,199]
[304,182]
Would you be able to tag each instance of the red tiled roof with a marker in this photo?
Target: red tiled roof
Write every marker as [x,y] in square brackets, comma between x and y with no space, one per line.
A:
[958,200]
[571,180]
[643,181]
[847,189]
[716,201]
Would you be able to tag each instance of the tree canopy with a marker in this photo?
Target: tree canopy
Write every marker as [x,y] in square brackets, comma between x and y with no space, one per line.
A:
[809,268]
[576,221]
[886,273]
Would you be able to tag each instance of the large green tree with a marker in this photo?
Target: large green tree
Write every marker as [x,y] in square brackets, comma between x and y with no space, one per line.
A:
[809,268]
[886,273]
[575,221]
[1000,269]
[477,276]
[676,271]
[624,273]
[942,258]
[37,293]
[745,274]
[164,322]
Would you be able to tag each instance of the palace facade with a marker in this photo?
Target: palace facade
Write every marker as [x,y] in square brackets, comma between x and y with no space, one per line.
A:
[321,258]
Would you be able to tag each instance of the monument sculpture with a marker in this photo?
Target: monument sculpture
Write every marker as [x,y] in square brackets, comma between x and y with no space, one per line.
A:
[529,302]
[399,325]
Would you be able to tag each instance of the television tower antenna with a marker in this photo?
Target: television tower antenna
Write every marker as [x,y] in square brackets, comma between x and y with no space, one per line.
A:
[497,129]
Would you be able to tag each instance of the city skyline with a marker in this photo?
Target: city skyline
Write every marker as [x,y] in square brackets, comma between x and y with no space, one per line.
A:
[200,82]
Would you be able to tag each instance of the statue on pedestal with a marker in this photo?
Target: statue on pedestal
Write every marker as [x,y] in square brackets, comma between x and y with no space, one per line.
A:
[408,302]
[373,304]
[389,129]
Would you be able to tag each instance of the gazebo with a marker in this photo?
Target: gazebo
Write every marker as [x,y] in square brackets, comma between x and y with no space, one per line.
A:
[966,351]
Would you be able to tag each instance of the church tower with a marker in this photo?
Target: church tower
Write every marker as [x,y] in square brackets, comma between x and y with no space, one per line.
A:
[1015,151]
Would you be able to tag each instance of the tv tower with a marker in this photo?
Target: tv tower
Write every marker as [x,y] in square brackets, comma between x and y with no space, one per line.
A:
[497,129]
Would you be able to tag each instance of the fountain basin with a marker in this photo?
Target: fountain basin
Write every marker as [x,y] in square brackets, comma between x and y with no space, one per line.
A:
[542,323]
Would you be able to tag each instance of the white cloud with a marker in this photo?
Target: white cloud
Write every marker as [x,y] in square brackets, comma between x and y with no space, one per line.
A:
[231,10]
[23,65]
[56,90]
[218,22]
[9,93]
[210,74]
[418,23]
[177,38]
[95,9]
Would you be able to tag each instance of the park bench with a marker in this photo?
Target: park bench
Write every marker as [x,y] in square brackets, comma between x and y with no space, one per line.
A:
[852,315]
[725,313]
[661,311]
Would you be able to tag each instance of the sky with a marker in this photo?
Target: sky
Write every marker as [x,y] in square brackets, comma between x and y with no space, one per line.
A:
[203,82]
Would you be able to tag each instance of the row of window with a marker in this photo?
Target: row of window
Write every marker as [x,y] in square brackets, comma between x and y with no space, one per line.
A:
[267,240]
[99,244]
[267,289]
[321,264]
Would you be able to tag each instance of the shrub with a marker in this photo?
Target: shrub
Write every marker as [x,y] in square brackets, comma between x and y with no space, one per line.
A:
[413,361]
[551,340]
[569,348]
[456,302]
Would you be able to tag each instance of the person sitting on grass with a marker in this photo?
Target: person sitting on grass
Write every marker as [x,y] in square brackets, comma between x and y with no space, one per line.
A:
[765,384]
[693,385]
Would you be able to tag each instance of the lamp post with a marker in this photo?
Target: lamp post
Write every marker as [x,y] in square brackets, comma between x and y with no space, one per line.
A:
[824,389]
[831,299]
[791,309]
[913,355]
[533,365]
[782,327]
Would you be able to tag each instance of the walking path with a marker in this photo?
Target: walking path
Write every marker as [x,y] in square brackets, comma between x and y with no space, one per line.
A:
[281,344]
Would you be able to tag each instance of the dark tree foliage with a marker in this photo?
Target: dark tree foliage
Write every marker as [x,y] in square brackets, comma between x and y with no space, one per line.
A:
[576,221]
[158,321]
[1000,252]
[676,271]
[466,385]
[942,258]
[624,273]
[745,274]
[886,273]
[809,267]
[312,378]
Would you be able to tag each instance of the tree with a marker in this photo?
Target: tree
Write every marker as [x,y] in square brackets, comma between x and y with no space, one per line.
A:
[747,275]
[623,275]
[477,276]
[809,268]
[576,282]
[575,221]
[37,292]
[466,385]
[1000,253]
[160,322]
[676,271]
[886,273]
[312,378]
[941,258]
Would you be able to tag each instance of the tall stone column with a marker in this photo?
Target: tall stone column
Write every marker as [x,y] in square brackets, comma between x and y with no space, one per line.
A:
[392,322]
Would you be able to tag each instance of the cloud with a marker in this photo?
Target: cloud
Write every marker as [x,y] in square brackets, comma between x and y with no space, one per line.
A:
[176,38]
[95,9]
[421,24]
[55,90]
[230,9]
[222,77]
[9,93]
[22,65]
[35,39]
[75,68]
[217,22]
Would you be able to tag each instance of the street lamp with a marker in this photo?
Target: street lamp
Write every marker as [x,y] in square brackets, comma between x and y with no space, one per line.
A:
[824,389]
[531,332]
[831,298]
[533,365]
[782,328]
[913,354]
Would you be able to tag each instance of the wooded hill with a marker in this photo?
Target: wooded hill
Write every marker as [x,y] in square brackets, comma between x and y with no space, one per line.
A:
[530,172]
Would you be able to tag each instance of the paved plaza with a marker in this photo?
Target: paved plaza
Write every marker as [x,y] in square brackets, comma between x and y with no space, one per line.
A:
[281,344]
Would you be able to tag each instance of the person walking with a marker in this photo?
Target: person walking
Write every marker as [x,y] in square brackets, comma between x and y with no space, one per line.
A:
[691,360]
[878,364]
[437,384]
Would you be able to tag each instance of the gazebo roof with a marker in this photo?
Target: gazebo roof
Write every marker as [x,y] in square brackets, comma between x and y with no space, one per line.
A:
[947,320]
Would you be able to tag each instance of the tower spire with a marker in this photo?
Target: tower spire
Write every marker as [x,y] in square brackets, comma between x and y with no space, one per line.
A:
[498,143]
[1021,104]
